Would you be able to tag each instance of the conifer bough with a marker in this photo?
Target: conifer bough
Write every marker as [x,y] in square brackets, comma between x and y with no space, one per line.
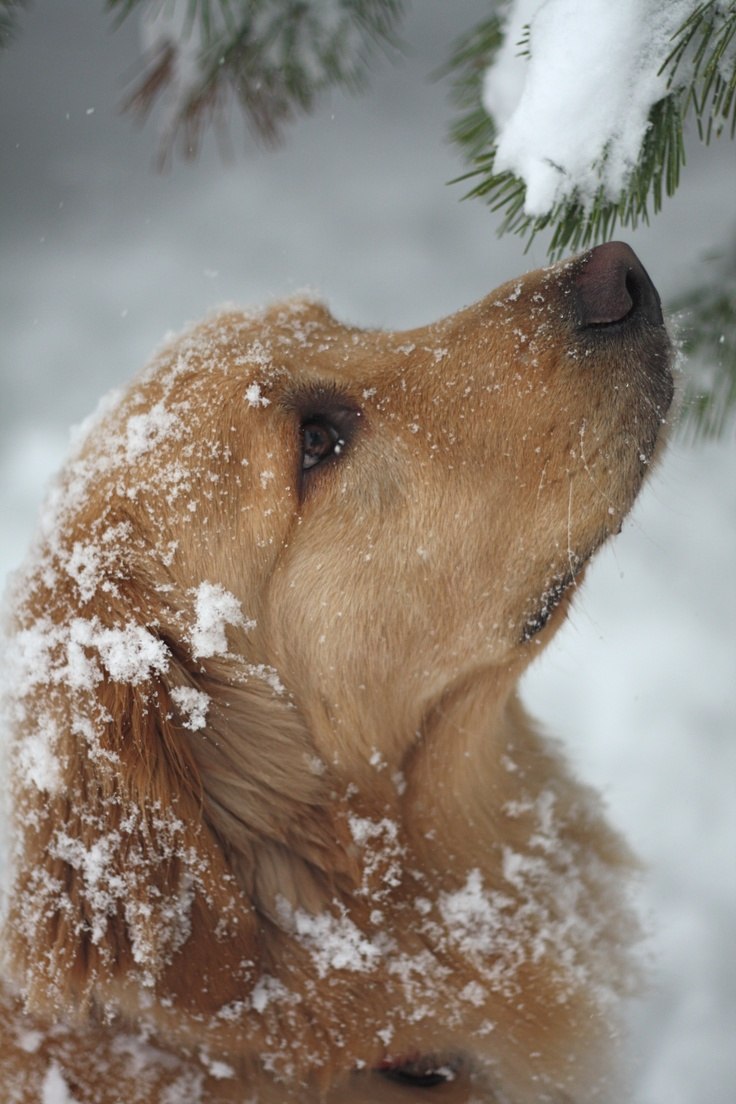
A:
[273,57]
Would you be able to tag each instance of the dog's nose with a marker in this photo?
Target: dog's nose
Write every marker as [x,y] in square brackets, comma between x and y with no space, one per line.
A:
[612,285]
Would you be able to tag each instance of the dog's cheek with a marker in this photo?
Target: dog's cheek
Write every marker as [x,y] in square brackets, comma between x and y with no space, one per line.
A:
[356,641]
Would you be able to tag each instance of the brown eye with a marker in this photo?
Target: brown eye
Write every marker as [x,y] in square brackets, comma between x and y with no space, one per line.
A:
[320,440]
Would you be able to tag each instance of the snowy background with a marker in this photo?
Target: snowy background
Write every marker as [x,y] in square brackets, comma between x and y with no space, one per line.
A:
[100,256]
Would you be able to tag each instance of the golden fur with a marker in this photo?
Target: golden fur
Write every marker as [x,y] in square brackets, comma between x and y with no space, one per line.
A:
[280,819]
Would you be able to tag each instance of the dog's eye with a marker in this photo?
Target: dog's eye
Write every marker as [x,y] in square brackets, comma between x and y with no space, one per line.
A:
[320,440]
[424,1073]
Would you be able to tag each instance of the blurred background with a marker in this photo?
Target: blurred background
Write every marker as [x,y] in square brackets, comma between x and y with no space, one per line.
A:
[101,255]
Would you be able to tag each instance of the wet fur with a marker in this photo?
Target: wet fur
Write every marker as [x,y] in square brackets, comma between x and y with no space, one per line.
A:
[366,771]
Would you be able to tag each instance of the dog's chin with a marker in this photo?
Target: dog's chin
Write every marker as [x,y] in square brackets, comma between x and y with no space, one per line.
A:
[550,610]
[550,607]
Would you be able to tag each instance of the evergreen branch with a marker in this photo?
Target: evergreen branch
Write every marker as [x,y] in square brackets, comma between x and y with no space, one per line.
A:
[474,129]
[707,45]
[524,45]
[9,12]
[123,8]
[273,57]
[707,322]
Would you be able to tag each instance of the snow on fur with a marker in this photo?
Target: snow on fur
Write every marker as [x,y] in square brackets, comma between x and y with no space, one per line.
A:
[58,652]
[215,609]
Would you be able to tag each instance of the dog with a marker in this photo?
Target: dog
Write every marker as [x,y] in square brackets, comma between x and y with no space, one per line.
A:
[280,827]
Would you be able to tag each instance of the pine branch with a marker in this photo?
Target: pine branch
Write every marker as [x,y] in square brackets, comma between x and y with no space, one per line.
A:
[707,42]
[706,320]
[275,58]
[9,13]
[474,130]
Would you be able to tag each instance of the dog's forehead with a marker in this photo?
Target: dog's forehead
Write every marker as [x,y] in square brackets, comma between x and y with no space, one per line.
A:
[254,357]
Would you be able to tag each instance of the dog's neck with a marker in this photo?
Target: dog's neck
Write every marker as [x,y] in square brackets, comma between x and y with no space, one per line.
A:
[467,760]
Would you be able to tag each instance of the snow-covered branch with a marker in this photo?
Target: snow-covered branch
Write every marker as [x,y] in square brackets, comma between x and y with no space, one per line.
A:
[585,104]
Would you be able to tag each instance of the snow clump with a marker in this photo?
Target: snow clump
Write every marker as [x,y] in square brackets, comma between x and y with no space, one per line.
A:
[145,431]
[254,396]
[334,942]
[193,705]
[215,609]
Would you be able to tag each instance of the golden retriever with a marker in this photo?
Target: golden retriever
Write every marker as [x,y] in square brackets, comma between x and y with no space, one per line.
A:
[281,829]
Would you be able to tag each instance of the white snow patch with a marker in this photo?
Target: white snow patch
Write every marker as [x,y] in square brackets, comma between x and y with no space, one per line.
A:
[474,994]
[131,654]
[382,855]
[54,1089]
[334,942]
[473,918]
[215,609]
[363,829]
[173,930]
[80,433]
[254,396]
[29,1040]
[144,432]
[37,759]
[84,566]
[266,673]
[60,654]
[221,1071]
[88,560]
[93,863]
[193,705]
[187,1089]
[266,991]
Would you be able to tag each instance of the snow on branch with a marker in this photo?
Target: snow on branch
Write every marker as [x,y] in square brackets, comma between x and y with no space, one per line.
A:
[580,107]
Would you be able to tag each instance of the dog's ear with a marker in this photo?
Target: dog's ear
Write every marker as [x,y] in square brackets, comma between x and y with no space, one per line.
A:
[160,809]
[267,795]
[113,868]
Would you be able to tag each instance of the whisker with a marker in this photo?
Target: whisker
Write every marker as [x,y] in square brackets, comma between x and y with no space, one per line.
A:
[586,467]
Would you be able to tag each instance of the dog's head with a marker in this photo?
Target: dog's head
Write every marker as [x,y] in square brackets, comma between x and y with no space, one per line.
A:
[268,569]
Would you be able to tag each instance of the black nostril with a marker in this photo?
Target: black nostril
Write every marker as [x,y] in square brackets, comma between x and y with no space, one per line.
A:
[611,285]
